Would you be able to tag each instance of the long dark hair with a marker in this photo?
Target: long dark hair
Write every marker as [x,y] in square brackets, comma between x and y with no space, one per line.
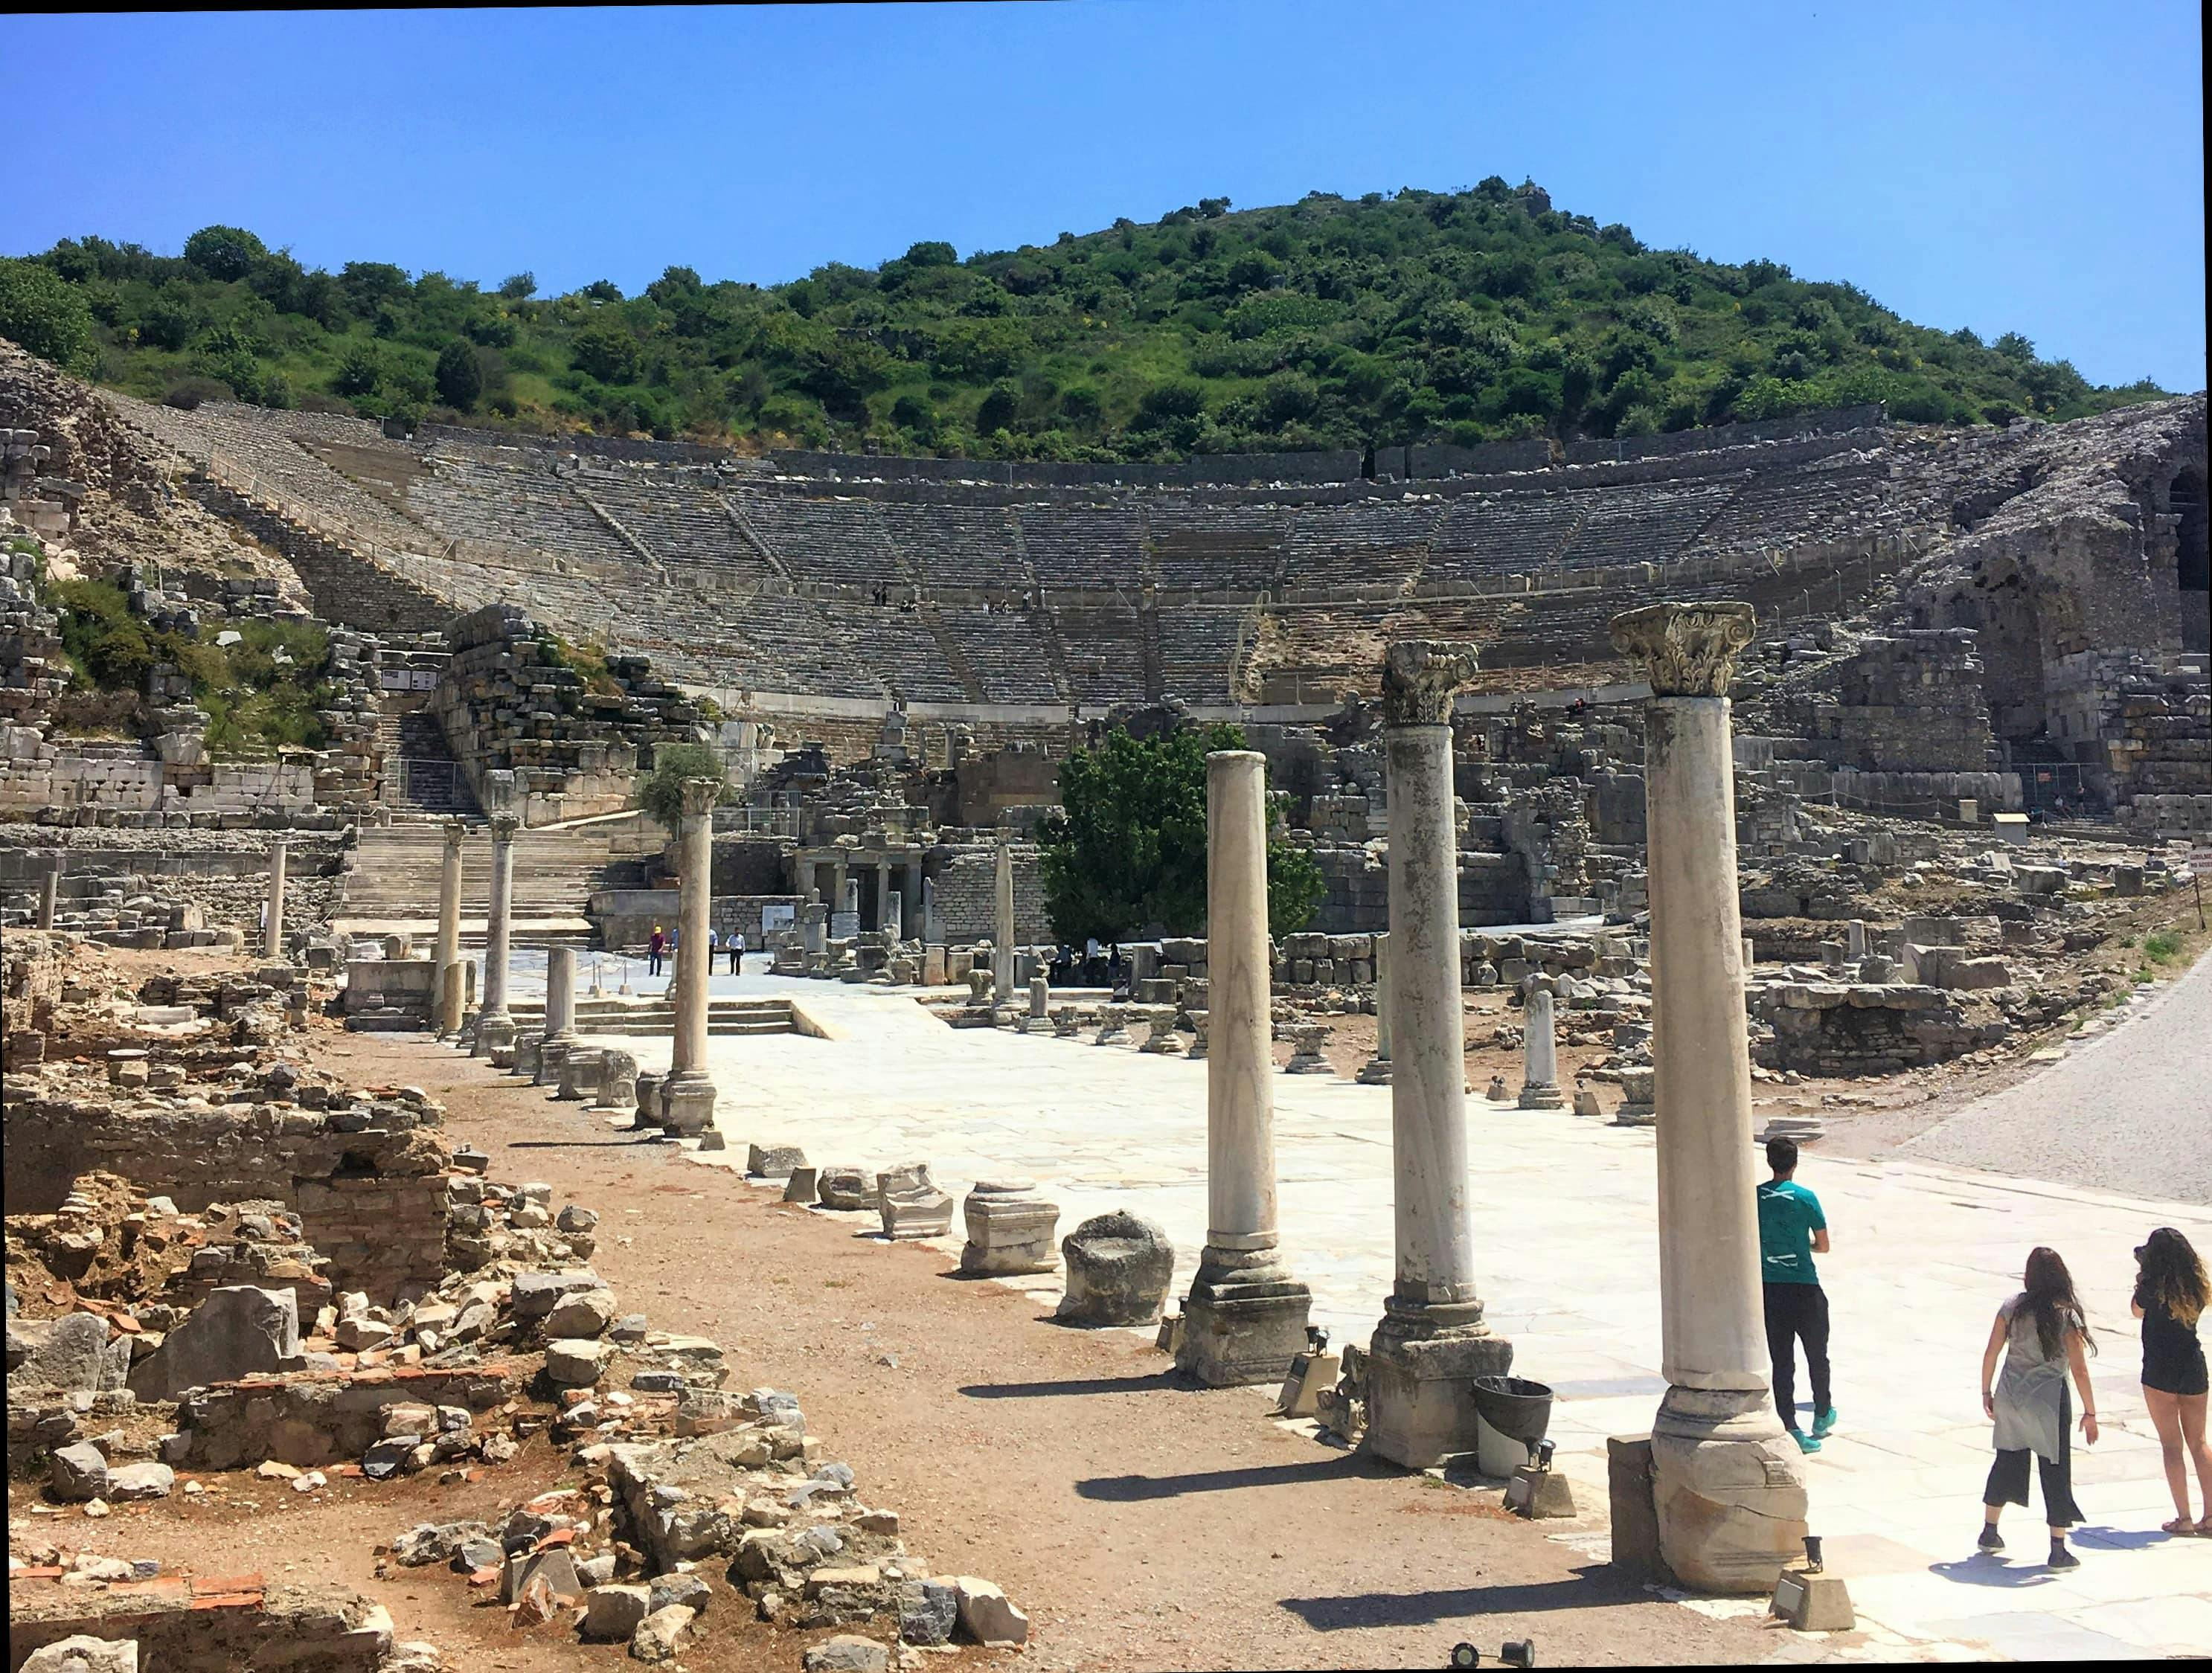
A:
[2172,1276]
[2049,1295]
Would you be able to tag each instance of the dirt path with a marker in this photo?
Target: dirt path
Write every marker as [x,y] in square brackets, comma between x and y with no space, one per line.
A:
[1141,1524]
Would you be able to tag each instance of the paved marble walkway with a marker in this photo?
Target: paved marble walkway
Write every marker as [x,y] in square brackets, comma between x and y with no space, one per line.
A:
[1564,1215]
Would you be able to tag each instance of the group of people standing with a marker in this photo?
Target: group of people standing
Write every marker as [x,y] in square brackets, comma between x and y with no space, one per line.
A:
[2037,1356]
[662,942]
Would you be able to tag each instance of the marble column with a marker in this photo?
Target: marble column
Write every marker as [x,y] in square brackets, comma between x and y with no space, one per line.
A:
[894,917]
[912,916]
[452,991]
[932,931]
[1432,1341]
[1002,937]
[1539,1062]
[1728,1482]
[561,996]
[883,893]
[1376,1071]
[1245,1316]
[687,1097]
[494,1027]
[448,953]
[272,921]
[50,891]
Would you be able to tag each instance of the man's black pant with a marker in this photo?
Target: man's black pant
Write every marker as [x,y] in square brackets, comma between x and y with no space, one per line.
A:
[1795,1313]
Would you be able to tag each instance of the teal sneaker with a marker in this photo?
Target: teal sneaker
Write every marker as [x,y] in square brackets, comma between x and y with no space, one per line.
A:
[1823,1423]
[1805,1443]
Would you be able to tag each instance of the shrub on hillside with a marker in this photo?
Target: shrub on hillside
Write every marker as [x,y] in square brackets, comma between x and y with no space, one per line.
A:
[47,315]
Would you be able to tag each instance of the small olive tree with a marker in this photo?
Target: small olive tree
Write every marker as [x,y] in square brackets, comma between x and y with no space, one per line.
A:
[660,794]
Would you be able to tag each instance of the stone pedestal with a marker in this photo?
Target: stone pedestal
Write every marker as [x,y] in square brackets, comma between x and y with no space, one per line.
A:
[1039,1019]
[272,914]
[1119,1266]
[618,1082]
[1637,1109]
[687,1098]
[1161,1040]
[580,1069]
[1305,1050]
[1376,1071]
[1432,1342]
[1245,1317]
[647,1090]
[1729,1484]
[1009,1229]
[1113,1029]
[494,1026]
[447,952]
[911,1204]
[1539,1073]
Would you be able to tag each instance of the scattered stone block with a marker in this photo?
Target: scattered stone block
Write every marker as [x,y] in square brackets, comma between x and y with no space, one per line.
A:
[236,1332]
[613,1613]
[773,1161]
[1119,1266]
[846,1188]
[76,1473]
[81,1653]
[146,1480]
[661,1635]
[986,1617]
[575,1362]
[847,1652]
[583,1313]
[911,1204]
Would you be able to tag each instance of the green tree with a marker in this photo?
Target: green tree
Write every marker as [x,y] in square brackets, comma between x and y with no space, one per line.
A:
[225,252]
[360,371]
[660,794]
[1125,854]
[460,379]
[519,287]
[47,315]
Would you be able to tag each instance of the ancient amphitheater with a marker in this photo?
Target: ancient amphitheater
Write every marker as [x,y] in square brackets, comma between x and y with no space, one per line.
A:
[1920,900]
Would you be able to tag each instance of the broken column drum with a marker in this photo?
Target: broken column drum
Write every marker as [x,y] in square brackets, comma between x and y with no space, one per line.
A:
[272,922]
[1245,1316]
[1432,1342]
[1002,940]
[1728,1482]
[449,952]
[1539,1074]
[687,1097]
[1009,1228]
[494,1027]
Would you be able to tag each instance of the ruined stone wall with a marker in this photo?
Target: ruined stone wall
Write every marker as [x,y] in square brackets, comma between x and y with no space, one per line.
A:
[1908,701]
[372,1198]
[967,899]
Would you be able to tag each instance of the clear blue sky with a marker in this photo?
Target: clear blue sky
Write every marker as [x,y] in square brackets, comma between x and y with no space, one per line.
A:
[2029,167]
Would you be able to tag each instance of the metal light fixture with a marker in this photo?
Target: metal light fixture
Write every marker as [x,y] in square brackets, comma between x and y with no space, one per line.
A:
[1813,1554]
[1544,1450]
[1520,1652]
[1466,1655]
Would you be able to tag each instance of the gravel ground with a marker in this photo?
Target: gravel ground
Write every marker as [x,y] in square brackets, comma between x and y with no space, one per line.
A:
[2131,1111]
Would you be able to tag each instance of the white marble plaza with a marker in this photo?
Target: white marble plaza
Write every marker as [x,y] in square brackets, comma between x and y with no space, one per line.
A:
[1567,1253]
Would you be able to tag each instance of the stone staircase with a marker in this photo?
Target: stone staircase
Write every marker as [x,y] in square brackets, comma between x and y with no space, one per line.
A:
[650,1015]
[422,780]
[392,877]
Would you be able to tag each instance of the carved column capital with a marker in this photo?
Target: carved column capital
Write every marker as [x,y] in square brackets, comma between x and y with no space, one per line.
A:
[700,796]
[1419,676]
[504,826]
[1687,650]
[457,833]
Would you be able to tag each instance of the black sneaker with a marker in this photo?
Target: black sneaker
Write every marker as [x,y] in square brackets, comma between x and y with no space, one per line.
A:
[1991,1540]
[2062,1558]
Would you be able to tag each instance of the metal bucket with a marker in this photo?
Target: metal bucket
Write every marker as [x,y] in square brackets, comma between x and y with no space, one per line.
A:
[1517,1408]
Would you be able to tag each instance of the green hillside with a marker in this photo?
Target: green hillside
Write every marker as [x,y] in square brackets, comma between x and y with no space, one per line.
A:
[1460,317]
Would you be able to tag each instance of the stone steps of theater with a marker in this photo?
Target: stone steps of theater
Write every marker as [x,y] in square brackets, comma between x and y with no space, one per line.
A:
[575,932]
[396,868]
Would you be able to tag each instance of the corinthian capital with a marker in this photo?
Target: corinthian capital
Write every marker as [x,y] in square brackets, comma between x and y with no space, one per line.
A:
[457,833]
[504,826]
[1419,676]
[700,796]
[1688,650]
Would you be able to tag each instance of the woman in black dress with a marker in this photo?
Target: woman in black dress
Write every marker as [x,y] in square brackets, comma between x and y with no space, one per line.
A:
[2171,1294]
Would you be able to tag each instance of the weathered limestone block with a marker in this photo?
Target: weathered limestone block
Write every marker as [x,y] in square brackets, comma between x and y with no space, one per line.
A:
[617,1081]
[912,1206]
[846,1188]
[239,1330]
[581,1069]
[1305,1050]
[1119,1266]
[1009,1228]
[773,1161]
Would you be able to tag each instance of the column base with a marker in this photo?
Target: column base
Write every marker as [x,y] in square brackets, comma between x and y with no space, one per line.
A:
[687,1107]
[493,1034]
[1542,1098]
[1421,1367]
[1244,1320]
[1728,1486]
[1376,1071]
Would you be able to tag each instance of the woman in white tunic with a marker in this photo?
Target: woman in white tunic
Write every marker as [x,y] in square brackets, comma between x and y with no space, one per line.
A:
[2042,1337]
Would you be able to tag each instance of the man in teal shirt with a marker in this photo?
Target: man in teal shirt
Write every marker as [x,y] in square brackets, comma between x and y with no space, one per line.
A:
[1791,1231]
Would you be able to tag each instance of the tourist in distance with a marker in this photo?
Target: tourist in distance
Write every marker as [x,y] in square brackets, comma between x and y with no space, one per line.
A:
[1791,1231]
[737,952]
[713,946]
[655,945]
[2171,1295]
[2041,1334]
